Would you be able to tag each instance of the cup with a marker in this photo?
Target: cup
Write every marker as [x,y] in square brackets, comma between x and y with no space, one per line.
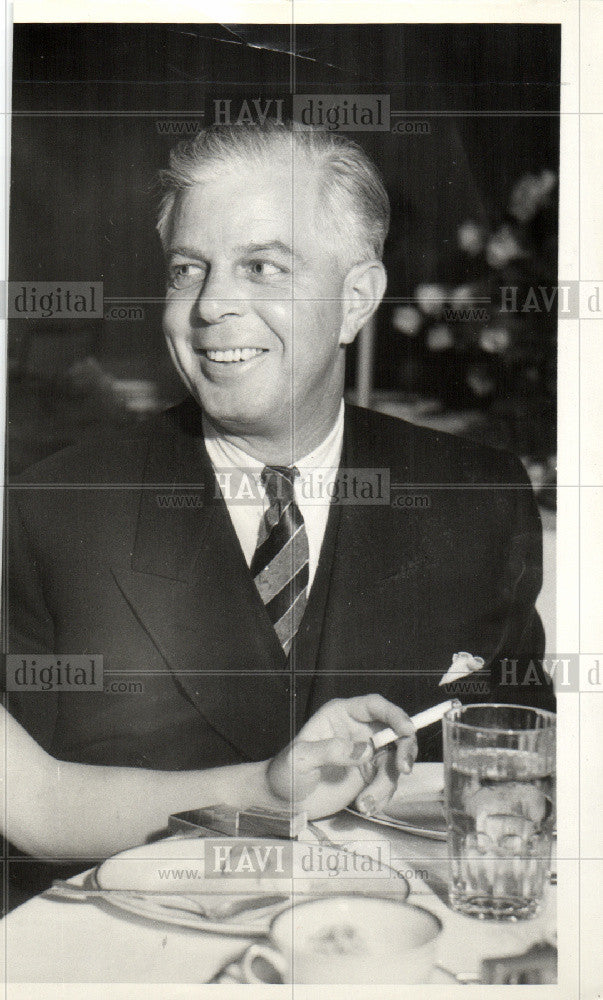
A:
[347,940]
[499,775]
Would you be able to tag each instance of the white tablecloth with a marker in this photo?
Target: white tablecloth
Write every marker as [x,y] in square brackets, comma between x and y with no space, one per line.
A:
[52,941]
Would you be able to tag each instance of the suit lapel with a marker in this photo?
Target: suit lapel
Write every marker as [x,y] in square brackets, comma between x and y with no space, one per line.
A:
[376,543]
[364,546]
[191,590]
[377,540]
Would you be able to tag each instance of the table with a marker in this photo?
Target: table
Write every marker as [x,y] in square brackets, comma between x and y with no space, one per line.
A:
[52,941]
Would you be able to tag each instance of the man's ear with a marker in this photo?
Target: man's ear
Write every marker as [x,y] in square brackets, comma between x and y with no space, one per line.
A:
[363,288]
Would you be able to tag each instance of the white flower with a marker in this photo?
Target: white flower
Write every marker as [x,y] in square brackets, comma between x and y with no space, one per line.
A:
[439,338]
[548,179]
[462,664]
[431,298]
[479,381]
[530,193]
[494,339]
[537,473]
[407,319]
[470,237]
[502,248]
[464,295]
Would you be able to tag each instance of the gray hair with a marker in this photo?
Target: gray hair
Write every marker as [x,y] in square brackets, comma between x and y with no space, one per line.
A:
[356,202]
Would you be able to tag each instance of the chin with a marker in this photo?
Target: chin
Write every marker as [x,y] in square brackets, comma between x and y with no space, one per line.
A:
[239,419]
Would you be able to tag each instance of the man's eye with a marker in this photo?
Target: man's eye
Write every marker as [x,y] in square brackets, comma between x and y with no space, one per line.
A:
[265,269]
[185,275]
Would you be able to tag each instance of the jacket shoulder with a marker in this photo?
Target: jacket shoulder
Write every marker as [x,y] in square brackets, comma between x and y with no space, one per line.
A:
[114,457]
[433,455]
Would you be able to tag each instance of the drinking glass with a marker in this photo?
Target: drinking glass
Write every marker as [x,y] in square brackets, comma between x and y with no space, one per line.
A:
[499,771]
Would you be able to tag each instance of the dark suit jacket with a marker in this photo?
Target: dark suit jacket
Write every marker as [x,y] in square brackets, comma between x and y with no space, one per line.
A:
[99,564]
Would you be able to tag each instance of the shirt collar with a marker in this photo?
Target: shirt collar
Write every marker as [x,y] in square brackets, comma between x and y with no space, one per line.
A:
[328,452]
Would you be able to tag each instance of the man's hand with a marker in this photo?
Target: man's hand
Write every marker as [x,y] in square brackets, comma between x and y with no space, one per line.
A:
[331,761]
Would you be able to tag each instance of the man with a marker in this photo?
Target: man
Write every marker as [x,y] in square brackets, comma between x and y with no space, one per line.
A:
[243,609]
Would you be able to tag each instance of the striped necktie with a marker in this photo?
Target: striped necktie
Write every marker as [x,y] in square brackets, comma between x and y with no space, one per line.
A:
[280,563]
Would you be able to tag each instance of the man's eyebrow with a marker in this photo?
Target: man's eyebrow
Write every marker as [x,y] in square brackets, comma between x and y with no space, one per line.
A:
[186,252]
[271,245]
[243,248]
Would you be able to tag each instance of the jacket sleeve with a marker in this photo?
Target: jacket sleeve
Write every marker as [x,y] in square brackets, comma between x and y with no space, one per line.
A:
[516,670]
[29,628]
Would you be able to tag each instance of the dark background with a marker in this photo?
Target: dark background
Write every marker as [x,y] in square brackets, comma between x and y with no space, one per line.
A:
[86,148]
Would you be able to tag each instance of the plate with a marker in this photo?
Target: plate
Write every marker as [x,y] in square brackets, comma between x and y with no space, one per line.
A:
[419,817]
[209,872]
[417,807]
[255,924]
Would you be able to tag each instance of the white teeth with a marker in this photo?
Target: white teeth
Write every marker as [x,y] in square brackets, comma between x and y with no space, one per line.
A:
[238,354]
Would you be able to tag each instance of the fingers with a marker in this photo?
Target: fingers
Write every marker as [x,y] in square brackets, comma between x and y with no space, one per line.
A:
[376,708]
[406,753]
[380,789]
[382,772]
[405,750]
[307,755]
[301,767]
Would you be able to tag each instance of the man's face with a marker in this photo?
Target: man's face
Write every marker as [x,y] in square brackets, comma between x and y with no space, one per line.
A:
[253,313]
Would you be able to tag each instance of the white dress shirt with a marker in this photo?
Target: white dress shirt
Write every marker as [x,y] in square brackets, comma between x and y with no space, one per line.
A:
[239,478]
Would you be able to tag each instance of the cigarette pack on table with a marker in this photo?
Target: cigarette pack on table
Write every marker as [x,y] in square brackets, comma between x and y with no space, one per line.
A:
[223,820]
[208,822]
[271,823]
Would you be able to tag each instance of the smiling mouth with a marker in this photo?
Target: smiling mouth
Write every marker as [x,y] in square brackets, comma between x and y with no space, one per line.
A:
[233,356]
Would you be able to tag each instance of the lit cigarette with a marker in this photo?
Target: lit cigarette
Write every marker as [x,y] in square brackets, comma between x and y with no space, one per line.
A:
[419,721]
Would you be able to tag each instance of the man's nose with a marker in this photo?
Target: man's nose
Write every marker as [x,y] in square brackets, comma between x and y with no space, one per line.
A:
[217,300]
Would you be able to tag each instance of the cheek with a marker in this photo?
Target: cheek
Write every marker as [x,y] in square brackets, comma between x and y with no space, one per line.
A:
[317,327]
[278,316]
[175,322]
